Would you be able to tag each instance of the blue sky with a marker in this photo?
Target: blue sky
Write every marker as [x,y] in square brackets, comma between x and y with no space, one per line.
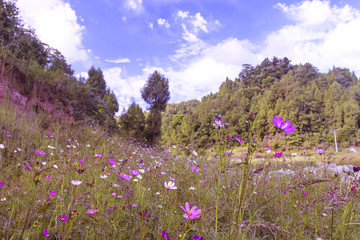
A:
[195,44]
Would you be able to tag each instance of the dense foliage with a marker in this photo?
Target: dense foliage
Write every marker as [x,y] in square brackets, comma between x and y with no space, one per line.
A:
[317,102]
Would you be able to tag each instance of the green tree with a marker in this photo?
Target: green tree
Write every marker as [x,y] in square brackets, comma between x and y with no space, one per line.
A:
[156,94]
[156,91]
[132,122]
[96,81]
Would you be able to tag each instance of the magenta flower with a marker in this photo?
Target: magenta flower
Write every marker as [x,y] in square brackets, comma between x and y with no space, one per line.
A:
[63,218]
[320,150]
[190,213]
[218,123]
[195,169]
[134,172]
[52,193]
[278,154]
[285,126]
[268,146]
[91,211]
[124,176]
[165,235]
[40,152]
[228,138]
[356,168]
[46,233]
[170,185]
[304,193]
[111,161]
[27,167]
[239,140]
[196,237]
[143,213]
[1,183]
[82,161]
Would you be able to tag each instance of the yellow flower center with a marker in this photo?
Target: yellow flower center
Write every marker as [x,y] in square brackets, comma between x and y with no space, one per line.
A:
[168,187]
[189,213]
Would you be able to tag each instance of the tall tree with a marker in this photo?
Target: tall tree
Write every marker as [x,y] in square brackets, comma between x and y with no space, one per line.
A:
[156,91]
[156,94]
[96,81]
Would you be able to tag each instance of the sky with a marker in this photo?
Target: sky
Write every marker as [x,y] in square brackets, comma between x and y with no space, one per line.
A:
[195,44]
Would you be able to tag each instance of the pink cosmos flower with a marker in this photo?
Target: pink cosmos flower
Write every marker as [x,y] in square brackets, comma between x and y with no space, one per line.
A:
[134,172]
[52,193]
[63,218]
[195,169]
[170,185]
[278,154]
[228,138]
[124,176]
[1,183]
[91,211]
[239,140]
[285,126]
[46,233]
[320,150]
[190,213]
[40,152]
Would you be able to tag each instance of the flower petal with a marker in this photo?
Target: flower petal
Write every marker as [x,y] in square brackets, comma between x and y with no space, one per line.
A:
[277,121]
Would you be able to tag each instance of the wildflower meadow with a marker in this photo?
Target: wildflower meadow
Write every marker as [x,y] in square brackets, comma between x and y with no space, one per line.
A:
[78,182]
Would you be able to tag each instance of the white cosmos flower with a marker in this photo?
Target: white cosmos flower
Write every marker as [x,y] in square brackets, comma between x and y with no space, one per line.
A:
[76,182]
[191,188]
[43,163]
[141,170]
[103,176]
[51,147]
[170,185]
[2,146]
[56,166]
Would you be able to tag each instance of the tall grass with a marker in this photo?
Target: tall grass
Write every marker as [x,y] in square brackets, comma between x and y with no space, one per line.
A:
[274,199]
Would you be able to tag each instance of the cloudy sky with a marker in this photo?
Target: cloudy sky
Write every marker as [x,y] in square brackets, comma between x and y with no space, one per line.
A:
[195,44]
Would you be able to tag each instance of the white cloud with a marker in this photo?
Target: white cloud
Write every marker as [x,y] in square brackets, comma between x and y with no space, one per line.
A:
[163,22]
[125,87]
[321,34]
[135,5]
[56,24]
[120,60]
[183,14]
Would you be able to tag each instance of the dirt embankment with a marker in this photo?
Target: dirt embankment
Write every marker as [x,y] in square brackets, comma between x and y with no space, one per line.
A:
[28,95]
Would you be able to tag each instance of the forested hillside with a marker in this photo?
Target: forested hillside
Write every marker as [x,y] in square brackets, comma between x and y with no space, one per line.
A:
[315,102]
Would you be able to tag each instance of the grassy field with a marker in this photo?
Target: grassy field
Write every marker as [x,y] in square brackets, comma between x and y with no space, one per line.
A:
[77,182]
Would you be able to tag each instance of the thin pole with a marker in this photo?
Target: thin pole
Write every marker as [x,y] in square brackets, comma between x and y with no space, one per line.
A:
[335,141]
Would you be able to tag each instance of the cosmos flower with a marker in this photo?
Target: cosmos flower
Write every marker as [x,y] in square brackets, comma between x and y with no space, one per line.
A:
[91,211]
[124,176]
[40,152]
[196,237]
[195,169]
[278,154]
[320,150]
[1,183]
[190,213]
[165,235]
[52,193]
[76,182]
[356,168]
[240,140]
[46,233]
[170,185]
[285,126]
[63,218]
[134,172]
